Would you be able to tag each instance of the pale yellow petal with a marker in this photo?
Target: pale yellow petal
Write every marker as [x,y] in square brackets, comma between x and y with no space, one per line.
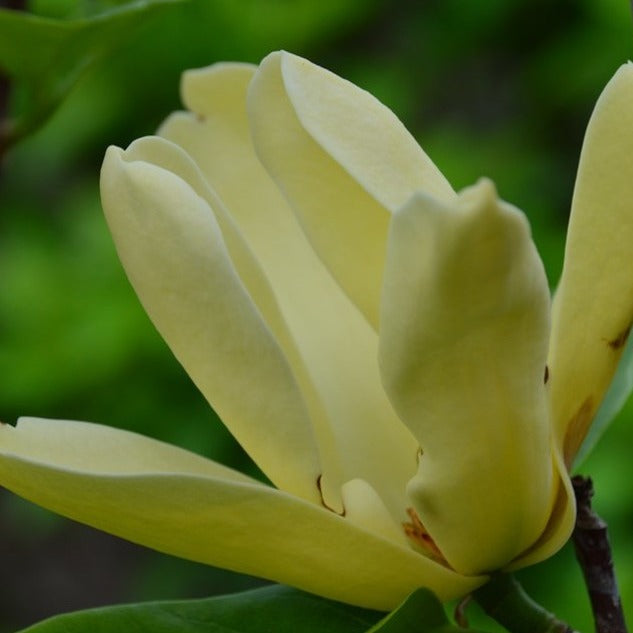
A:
[207,514]
[172,158]
[344,162]
[200,94]
[361,134]
[561,522]
[95,448]
[174,254]
[332,350]
[463,341]
[364,507]
[593,308]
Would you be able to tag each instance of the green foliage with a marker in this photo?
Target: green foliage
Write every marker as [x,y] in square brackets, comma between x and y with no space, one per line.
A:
[421,612]
[47,56]
[502,89]
[274,609]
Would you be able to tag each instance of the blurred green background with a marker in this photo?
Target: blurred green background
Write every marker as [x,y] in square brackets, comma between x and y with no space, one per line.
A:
[501,88]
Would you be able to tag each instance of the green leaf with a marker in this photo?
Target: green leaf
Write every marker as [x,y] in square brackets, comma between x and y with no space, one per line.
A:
[615,398]
[421,612]
[45,57]
[274,609]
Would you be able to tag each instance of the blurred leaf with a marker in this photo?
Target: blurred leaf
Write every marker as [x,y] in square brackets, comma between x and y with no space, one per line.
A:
[275,608]
[421,612]
[45,57]
[66,326]
[616,397]
[268,21]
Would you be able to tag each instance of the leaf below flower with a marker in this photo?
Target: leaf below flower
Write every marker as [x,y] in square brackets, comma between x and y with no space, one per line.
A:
[421,612]
[274,608]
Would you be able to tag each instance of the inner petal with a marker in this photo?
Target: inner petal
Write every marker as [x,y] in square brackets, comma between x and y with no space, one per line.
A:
[344,162]
[364,507]
[355,423]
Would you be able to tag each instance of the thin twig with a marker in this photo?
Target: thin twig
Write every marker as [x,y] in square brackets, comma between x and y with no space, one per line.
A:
[593,552]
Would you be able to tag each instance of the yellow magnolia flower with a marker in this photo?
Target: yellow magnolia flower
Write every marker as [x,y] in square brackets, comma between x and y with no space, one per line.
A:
[378,343]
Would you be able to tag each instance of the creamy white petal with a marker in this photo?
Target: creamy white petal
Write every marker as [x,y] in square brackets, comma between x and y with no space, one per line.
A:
[174,254]
[358,433]
[99,449]
[364,507]
[561,521]
[344,162]
[175,503]
[463,341]
[593,308]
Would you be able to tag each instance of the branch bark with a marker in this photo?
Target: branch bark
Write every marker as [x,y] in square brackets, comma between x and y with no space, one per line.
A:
[593,552]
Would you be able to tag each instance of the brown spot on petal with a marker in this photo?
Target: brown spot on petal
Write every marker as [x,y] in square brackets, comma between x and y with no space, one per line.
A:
[619,341]
[577,429]
[200,118]
[325,505]
[416,531]
[546,376]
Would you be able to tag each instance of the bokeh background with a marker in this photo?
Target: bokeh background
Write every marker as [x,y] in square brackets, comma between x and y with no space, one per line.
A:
[501,88]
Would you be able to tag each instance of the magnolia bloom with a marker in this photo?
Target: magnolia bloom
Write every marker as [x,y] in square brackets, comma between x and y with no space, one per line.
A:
[382,346]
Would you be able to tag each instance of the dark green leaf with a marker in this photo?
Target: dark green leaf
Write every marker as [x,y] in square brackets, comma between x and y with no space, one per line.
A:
[274,609]
[45,57]
[421,612]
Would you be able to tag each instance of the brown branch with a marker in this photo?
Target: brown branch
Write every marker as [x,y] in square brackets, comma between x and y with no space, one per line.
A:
[593,552]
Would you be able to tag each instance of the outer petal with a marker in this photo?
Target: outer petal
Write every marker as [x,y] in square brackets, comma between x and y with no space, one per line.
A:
[561,521]
[464,326]
[343,160]
[181,504]
[175,257]
[593,308]
[331,348]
